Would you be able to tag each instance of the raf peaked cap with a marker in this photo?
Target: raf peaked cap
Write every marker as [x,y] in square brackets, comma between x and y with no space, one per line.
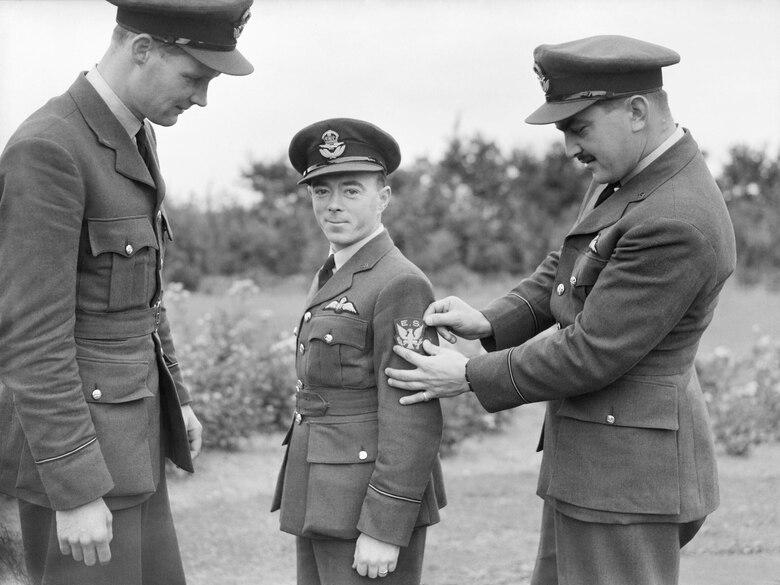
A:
[208,30]
[343,145]
[577,74]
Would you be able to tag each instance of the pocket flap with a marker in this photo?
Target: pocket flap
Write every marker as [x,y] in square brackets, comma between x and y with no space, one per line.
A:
[343,442]
[630,402]
[121,235]
[587,269]
[113,382]
[339,331]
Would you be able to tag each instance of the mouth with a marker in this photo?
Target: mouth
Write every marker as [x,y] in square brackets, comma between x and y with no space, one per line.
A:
[586,159]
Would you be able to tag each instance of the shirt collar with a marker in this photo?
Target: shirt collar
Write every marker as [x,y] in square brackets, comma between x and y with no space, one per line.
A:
[129,122]
[650,158]
[345,254]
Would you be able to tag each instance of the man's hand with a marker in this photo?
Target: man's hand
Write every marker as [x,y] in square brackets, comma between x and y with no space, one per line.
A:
[451,316]
[374,558]
[441,373]
[194,429]
[85,532]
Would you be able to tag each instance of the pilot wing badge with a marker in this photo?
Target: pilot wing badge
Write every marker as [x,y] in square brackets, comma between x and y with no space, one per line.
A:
[409,333]
[343,305]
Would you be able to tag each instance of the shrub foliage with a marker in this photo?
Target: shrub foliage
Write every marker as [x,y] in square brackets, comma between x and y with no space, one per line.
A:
[743,396]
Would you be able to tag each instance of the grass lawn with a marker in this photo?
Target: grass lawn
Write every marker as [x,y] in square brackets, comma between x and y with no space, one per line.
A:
[489,530]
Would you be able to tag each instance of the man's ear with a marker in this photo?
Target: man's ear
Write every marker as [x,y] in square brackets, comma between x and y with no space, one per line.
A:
[639,107]
[141,48]
[384,197]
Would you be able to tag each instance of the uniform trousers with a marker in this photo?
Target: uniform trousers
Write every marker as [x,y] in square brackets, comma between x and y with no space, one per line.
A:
[144,549]
[329,562]
[572,552]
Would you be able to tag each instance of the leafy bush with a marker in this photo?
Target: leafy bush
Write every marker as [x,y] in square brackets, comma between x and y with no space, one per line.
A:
[11,555]
[239,387]
[743,396]
[464,417]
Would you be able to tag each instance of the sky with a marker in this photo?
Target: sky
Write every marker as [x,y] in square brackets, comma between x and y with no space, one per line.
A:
[423,70]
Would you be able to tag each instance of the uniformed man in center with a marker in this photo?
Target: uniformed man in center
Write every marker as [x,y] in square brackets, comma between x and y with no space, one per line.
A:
[361,479]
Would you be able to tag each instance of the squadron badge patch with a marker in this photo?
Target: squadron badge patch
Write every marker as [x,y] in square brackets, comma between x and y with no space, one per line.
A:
[409,333]
[343,305]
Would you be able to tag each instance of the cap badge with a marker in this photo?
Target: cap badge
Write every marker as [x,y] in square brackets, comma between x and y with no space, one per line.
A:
[543,79]
[343,305]
[238,27]
[332,147]
[409,333]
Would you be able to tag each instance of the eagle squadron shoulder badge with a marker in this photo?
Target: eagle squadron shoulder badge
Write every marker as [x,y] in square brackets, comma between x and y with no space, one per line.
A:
[331,148]
[409,333]
[343,305]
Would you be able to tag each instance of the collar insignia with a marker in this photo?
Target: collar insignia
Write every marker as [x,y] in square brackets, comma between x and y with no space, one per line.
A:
[543,79]
[594,244]
[332,147]
[343,305]
[409,333]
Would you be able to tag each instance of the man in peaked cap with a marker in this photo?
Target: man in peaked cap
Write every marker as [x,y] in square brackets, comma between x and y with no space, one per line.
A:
[628,473]
[92,397]
[361,478]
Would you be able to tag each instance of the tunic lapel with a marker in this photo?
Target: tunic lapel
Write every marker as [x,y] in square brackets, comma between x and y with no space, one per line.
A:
[364,259]
[110,132]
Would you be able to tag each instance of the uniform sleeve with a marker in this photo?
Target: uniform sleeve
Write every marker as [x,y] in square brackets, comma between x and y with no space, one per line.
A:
[409,436]
[656,271]
[41,209]
[525,310]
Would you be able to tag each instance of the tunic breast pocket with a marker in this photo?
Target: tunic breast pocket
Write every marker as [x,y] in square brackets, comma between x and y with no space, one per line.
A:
[338,356]
[124,250]
[585,273]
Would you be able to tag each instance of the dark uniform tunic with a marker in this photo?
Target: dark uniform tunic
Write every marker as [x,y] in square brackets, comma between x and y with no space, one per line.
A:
[90,389]
[357,461]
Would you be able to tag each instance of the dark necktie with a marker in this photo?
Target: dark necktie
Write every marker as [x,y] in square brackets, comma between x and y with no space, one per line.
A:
[143,147]
[326,271]
[608,190]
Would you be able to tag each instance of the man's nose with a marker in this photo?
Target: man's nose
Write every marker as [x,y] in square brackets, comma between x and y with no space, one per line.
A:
[571,145]
[200,97]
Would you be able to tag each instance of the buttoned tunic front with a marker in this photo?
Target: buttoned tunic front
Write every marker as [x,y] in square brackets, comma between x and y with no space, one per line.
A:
[357,461]
[90,389]
[626,434]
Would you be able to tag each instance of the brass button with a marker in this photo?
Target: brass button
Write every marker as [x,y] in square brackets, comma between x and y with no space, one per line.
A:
[299,385]
[610,419]
[328,338]
[362,455]
[560,289]
[573,280]
[295,330]
[302,349]
[298,418]
[129,248]
[307,316]
[97,394]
